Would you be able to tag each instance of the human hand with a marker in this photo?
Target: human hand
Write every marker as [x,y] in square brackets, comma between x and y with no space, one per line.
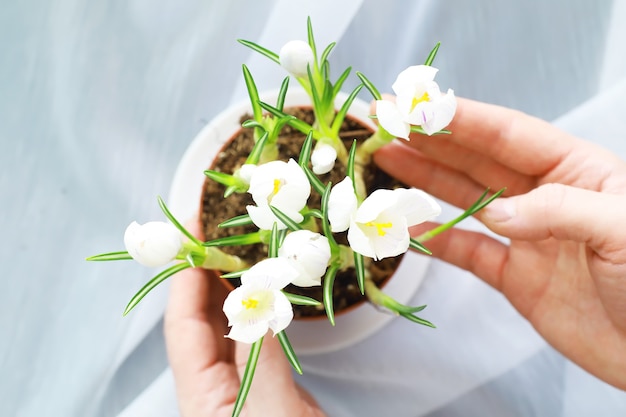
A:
[207,367]
[565,266]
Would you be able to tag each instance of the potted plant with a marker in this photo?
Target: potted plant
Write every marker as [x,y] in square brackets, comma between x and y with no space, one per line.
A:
[295,212]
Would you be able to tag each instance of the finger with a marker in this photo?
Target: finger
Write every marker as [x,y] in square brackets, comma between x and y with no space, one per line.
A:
[199,355]
[413,169]
[480,167]
[524,143]
[475,252]
[561,212]
[273,389]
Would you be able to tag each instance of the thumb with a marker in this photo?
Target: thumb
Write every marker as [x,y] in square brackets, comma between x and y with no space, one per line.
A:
[273,391]
[559,211]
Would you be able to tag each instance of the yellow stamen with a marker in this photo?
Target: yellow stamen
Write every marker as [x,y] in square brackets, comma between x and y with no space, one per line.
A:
[380,227]
[416,100]
[277,184]
[250,303]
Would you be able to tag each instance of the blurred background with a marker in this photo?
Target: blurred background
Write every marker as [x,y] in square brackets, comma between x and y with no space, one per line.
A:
[98,102]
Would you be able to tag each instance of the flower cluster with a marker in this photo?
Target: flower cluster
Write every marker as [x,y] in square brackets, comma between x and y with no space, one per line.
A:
[303,249]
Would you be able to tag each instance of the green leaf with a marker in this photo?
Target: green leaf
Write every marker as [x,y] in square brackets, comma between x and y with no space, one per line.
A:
[318,105]
[414,244]
[350,165]
[274,243]
[301,300]
[282,93]
[248,375]
[111,256]
[153,283]
[311,39]
[257,149]
[334,248]
[253,93]
[294,122]
[370,86]
[432,54]
[263,51]
[359,267]
[237,240]
[420,130]
[242,220]
[417,320]
[317,185]
[339,83]
[224,179]
[287,221]
[278,125]
[176,223]
[329,282]
[327,52]
[341,114]
[234,274]
[305,151]
[289,352]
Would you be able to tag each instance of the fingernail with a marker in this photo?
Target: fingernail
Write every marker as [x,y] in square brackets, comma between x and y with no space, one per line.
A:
[500,210]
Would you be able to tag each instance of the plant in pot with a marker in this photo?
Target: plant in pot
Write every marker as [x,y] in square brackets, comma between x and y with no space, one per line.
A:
[296,217]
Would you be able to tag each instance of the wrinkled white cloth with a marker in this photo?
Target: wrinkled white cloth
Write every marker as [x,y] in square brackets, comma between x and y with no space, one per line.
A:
[99,101]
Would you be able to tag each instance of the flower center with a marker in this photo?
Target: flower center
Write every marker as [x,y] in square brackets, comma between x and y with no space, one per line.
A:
[278,183]
[249,303]
[380,227]
[417,101]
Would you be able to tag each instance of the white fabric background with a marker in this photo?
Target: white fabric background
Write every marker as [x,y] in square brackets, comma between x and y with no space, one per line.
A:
[98,101]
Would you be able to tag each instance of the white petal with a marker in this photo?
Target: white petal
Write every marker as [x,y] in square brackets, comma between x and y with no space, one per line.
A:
[323,158]
[376,203]
[283,313]
[249,333]
[394,242]
[443,112]
[410,77]
[309,253]
[152,244]
[263,218]
[342,204]
[391,119]
[246,171]
[271,273]
[295,57]
[359,241]
[415,205]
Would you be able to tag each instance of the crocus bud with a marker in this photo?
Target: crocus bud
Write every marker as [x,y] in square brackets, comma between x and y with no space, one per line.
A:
[295,57]
[323,158]
[309,253]
[152,244]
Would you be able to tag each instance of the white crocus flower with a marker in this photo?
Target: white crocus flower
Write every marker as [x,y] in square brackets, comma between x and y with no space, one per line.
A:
[380,226]
[246,171]
[285,186]
[418,102]
[323,158]
[342,203]
[309,253]
[152,244]
[258,304]
[295,57]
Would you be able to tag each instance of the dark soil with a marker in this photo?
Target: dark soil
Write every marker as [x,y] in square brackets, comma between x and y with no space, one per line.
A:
[215,209]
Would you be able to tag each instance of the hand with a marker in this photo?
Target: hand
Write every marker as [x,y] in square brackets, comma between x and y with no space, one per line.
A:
[565,215]
[207,367]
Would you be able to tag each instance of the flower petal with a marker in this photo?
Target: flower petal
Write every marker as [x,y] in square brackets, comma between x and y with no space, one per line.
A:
[271,273]
[408,79]
[377,202]
[152,244]
[309,253]
[415,205]
[295,56]
[323,158]
[391,119]
[443,112]
[283,313]
[248,333]
[359,241]
[342,204]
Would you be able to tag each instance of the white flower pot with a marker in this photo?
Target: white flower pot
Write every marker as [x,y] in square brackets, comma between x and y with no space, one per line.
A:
[306,336]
